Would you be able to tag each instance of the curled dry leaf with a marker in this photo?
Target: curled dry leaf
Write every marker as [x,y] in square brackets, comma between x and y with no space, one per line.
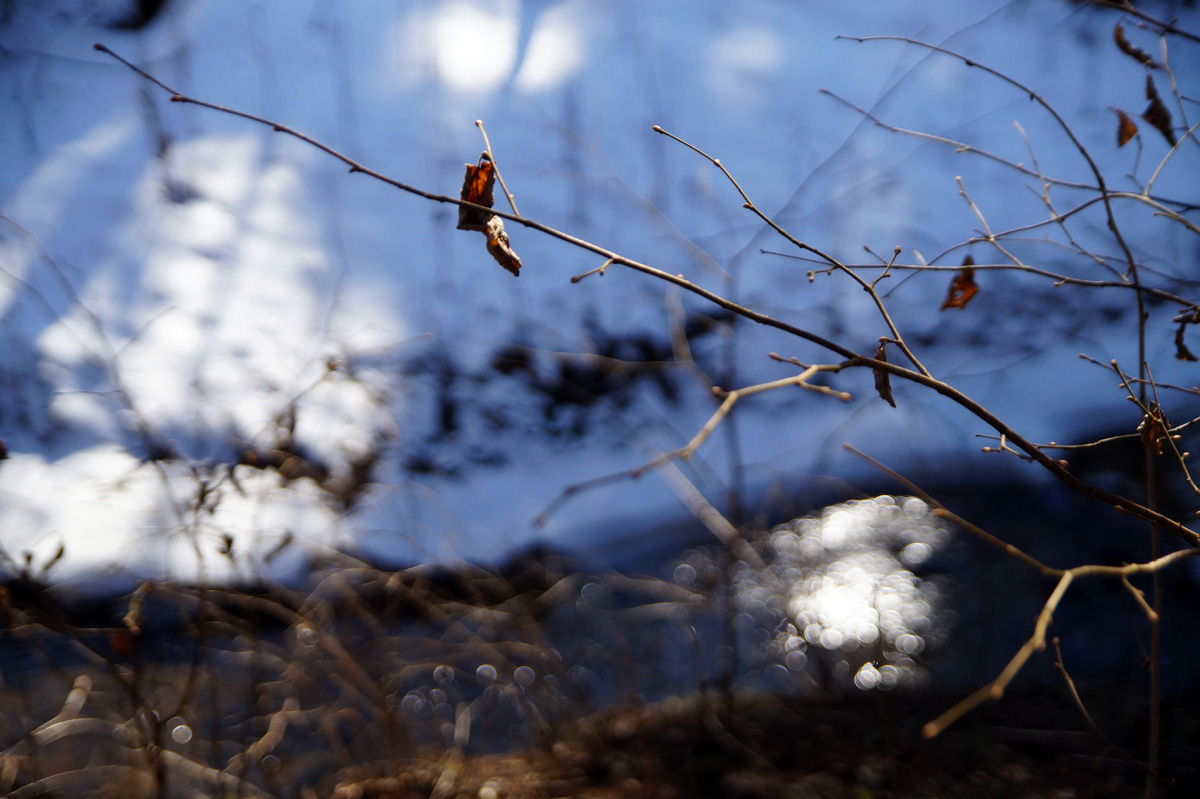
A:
[1157,114]
[498,246]
[1126,128]
[1154,428]
[1181,350]
[1136,53]
[963,288]
[477,188]
[478,183]
[883,381]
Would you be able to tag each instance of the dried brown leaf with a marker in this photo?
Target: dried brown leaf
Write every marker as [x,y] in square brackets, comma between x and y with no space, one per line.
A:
[1154,428]
[498,246]
[963,288]
[1181,350]
[1157,114]
[1126,128]
[477,188]
[883,380]
[1136,53]
[478,183]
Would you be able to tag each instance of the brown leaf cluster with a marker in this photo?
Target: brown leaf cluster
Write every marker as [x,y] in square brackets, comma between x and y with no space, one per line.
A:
[478,188]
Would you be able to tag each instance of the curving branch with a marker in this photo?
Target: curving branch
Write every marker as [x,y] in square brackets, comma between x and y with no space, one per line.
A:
[852,358]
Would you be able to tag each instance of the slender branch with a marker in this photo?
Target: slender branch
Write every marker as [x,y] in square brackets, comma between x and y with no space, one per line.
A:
[835,263]
[487,145]
[1102,186]
[1131,10]
[943,512]
[1162,164]
[1037,641]
[853,358]
[1055,217]
[1059,279]
[988,236]
[601,269]
[1083,711]
[963,147]
[731,398]
[709,516]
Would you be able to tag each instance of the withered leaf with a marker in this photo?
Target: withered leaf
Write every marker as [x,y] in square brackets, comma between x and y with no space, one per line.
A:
[1136,53]
[963,287]
[1157,114]
[883,380]
[1181,350]
[1126,128]
[477,188]
[498,246]
[1154,428]
[478,183]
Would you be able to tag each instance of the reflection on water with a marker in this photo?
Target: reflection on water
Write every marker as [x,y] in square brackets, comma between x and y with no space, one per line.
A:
[839,592]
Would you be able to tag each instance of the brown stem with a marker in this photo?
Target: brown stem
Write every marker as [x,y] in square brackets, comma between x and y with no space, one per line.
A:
[954,395]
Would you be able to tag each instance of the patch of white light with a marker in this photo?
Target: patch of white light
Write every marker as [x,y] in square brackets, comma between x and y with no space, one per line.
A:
[840,583]
[741,60]
[471,45]
[557,49]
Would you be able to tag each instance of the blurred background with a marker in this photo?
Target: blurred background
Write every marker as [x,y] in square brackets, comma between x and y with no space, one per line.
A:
[214,337]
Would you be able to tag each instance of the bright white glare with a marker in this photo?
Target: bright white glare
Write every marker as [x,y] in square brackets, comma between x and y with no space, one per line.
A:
[916,553]
[474,44]
[557,50]
[867,677]
[840,582]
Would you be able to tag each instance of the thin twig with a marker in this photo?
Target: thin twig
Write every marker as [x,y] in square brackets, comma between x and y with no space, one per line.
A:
[1059,279]
[963,147]
[833,262]
[1133,11]
[1083,711]
[731,398]
[1083,151]
[853,358]
[1037,641]
[487,145]
[942,511]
